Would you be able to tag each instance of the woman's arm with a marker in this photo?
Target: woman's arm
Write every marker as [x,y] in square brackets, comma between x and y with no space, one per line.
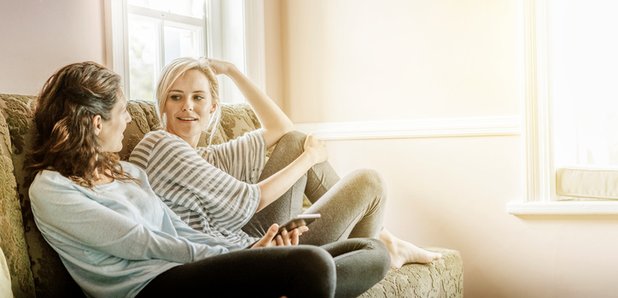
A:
[276,185]
[274,122]
[61,211]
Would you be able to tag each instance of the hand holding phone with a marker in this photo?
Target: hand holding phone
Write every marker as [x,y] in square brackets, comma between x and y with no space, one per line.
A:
[299,221]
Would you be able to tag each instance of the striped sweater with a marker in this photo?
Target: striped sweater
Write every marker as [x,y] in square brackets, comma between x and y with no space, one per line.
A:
[213,188]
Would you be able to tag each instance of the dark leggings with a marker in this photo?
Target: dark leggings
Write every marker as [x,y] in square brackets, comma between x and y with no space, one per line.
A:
[341,269]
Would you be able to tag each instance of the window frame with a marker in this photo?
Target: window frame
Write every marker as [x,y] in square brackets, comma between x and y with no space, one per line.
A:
[540,197]
[116,35]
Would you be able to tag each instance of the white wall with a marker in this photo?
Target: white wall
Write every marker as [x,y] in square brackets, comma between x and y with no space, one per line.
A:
[361,60]
[40,36]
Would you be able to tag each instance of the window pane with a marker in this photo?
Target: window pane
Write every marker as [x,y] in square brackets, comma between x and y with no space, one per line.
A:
[143,55]
[231,47]
[191,8]
[583,73]
[182,41]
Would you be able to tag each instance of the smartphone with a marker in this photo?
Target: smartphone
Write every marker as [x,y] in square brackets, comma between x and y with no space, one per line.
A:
[299,221]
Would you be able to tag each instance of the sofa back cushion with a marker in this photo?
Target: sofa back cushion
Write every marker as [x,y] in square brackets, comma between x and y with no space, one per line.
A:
[49,276]
[236,119]
[12,238]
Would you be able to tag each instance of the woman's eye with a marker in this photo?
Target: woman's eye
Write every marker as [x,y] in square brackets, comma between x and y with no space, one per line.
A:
[175,97]
[198,97]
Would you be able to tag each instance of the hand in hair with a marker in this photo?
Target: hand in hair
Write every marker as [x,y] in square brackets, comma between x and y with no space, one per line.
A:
[220,66]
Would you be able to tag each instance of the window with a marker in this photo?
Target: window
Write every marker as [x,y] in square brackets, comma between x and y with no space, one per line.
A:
[159,31]
[571,108]
[144,35]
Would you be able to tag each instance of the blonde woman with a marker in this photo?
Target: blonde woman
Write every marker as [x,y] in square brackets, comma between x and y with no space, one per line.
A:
[228,190]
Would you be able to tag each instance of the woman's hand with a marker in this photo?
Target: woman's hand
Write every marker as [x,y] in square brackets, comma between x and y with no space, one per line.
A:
[284,239]
[220,66]
[316,148]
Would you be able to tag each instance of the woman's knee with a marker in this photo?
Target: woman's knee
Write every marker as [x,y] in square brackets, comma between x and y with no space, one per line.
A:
[317,268]
[370,181]
[294,137]
[289,146]
[313,258]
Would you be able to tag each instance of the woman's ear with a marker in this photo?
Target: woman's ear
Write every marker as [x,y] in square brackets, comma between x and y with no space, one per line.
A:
[214,107]
[97,122]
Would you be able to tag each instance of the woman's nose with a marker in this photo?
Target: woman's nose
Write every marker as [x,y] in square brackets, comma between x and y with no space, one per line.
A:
[187,107]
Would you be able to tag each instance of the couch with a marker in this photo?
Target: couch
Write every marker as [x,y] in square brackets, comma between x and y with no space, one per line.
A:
[35,269]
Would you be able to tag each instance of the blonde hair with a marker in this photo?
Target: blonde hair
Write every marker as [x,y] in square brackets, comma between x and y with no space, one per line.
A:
[175,70]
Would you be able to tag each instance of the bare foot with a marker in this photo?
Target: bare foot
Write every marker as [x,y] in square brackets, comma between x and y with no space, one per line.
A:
[403,252]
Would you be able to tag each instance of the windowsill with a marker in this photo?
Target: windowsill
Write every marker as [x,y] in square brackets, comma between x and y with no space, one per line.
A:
[563,208]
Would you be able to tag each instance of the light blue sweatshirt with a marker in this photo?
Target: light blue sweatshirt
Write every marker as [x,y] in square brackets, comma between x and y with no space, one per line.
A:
[116,237]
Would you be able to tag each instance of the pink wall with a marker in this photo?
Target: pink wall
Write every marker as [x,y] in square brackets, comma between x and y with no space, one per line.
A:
[40,36]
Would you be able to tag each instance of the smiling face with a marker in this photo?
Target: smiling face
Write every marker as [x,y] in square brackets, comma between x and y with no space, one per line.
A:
[189,106]
[112,130]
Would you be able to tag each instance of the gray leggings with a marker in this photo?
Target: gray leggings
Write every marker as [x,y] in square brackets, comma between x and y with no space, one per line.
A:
[352,207]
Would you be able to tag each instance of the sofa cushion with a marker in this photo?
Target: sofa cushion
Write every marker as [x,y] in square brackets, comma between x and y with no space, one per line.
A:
[442,278]
[12,240]
[143,119]
[51,279]
[236,119]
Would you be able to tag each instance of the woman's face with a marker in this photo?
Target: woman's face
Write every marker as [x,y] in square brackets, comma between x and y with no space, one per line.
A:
[189,106]
[112,130]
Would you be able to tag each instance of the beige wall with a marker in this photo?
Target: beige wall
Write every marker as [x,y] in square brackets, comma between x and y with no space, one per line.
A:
[427,58]
[344,60]
[359,60]
[40,36]
[273,51]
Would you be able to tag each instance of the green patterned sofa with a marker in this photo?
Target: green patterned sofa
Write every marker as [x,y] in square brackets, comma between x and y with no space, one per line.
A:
[35,268]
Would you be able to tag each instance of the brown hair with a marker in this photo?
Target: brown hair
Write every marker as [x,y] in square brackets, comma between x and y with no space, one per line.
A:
[65,140]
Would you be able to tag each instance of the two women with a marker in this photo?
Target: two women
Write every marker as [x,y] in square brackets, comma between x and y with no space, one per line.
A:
[117,238]
[229,191]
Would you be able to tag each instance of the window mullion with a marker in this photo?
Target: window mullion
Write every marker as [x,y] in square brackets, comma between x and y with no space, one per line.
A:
[153,13]
[117,49]
[539,177]
[161,49]
[206,33]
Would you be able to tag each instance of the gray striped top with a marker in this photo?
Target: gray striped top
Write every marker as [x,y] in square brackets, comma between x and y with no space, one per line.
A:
[213,189]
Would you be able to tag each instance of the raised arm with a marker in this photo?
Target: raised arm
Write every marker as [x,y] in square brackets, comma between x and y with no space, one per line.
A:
[277,184]
[274,122]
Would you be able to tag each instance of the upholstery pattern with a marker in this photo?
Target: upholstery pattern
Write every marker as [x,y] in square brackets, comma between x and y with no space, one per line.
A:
[51,279]
[144,118]
[440,279]
[12,240]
